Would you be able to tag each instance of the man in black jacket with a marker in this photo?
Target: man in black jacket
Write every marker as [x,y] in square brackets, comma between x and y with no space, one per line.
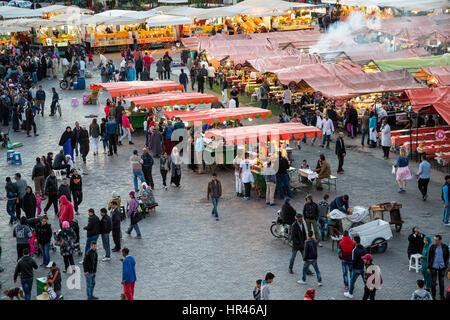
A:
[310,258]
[283,177]
[437,265]
[115,218]
[298,235]
[51,192]
[288,212]
[90,269]
[93,229]
[311,214]
[38,176]
[105,229]
[25,267]
[358,266]
[76,187]
[43,237]
[340,152]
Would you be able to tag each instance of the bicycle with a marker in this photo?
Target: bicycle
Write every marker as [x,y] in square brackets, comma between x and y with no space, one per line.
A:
[58,107]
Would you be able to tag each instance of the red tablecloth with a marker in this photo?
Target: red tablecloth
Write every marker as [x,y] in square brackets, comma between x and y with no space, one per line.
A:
[434,148]
[420,137]
[424,142]
[421,130]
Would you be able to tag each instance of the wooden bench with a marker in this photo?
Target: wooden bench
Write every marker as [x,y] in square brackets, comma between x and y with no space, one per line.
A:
[332,180]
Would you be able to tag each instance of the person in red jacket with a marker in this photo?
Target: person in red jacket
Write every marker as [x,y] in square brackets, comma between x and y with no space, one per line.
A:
[345,249]
[65,210]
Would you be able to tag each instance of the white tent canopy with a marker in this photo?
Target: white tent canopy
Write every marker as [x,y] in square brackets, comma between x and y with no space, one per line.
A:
[167,20]
[14,13]
[118,17]
[401,4]
[63,9]
[173,1]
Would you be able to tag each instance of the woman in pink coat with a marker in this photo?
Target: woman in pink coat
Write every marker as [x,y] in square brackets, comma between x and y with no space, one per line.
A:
[126,127]
[65,210]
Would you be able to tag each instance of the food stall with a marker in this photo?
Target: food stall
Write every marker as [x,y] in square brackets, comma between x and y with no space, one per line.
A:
[434,76]
[265,141]
[159,101]
[119,32]
[123,89]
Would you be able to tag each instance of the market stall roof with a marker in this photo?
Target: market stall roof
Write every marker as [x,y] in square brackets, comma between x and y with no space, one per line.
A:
[264,132]
[438,97]
[14,12]
[413,64]
[401,4]
[17,25]
[126,88]
[440,74]
[268,64]
[200,117]
[63,9]
[368,54]
[344,86]
[173,1]
[319,70]
[167,20]
[185,11]
[118,17]
[172,99]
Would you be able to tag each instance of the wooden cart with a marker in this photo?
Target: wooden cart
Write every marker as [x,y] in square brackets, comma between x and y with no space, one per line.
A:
[394,211]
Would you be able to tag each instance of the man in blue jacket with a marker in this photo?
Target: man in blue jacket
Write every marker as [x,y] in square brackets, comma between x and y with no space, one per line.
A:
[40,99]
[128,273]
[445,198]
[357,264]
[111,131]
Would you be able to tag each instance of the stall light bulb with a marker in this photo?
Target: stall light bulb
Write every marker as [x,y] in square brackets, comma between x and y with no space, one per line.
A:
[186,124]
[292,16]
[250,119]
[135,109]
[224,122]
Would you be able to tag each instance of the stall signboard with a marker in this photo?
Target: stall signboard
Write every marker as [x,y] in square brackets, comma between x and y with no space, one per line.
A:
[119,42]
[440,135]
[339,103]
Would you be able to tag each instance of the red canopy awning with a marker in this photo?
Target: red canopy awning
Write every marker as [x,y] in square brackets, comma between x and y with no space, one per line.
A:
[262,133]
[172,99]
[134,88]
[200,117]
[346,86]
[438,97]
[268,64]
[319,70]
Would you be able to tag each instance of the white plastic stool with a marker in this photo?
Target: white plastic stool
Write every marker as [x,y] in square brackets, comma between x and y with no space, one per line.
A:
[58,174]
[74,102]
[415,258]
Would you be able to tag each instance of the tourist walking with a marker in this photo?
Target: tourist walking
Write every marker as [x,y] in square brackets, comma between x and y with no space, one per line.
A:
[51,192]
[90,270]
[345,250]
[21,185]
[111,132]
[298,239]
[25,267]
[327,131]
[340,152]
[164,167]
[365,127]
[437,265]
[245,174]
[424,177]
[147,165]
[310,258]
[357,266]
[22,233]
[214,192]
[271,180]
[156,142]
[11,195]
[175,167]
[282,176]
[29,203]
[43,238]
[126,127]
[136,166]
[403,172]
[128,273]
[76,188]
[265,289]
[105,229]
[38,176]
[134,215]
[84,143]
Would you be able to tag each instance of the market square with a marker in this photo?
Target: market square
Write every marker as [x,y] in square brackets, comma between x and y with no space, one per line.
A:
[254,106]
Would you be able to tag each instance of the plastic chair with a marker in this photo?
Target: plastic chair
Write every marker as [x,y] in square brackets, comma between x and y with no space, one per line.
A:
[414,262]
[17,158]
[74,102]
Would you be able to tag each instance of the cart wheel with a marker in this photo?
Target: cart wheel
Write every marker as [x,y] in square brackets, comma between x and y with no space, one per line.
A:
[398,227]
[379,245]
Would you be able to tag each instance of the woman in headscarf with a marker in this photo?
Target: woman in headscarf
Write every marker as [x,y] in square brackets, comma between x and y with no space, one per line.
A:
[423,269]
[65,210]
[69,162]
[131,72]
[175,167]
[156,142]
[67,141]
[310,294]
[29,203]
[114,197]
[146,195]
[84,143]
[66,239]
[133,214]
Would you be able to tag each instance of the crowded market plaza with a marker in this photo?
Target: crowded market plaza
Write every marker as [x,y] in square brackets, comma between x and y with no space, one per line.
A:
[262,150]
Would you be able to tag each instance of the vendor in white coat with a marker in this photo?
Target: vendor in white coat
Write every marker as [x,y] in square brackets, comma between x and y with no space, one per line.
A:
[385,138]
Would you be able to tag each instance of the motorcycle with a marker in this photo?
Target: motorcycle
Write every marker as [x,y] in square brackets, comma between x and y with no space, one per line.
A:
[67,84]
[280,230]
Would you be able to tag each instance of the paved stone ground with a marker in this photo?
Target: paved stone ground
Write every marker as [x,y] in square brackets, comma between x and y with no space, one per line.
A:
[186,254]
